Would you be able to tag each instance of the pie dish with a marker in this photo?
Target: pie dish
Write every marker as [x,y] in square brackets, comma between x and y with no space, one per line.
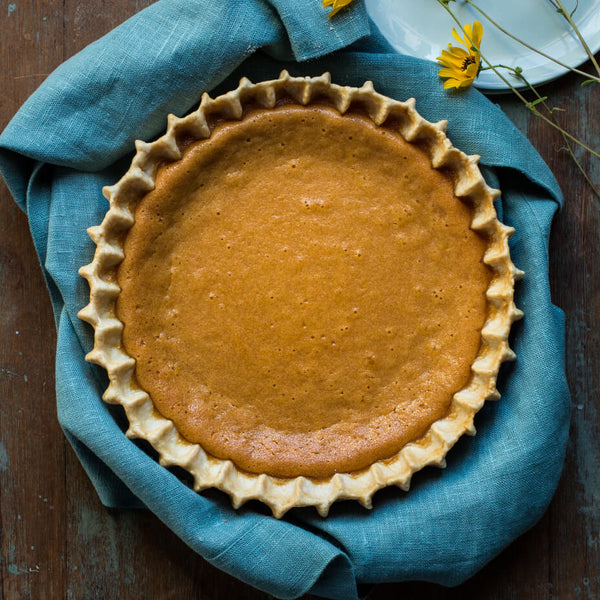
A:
[301,293]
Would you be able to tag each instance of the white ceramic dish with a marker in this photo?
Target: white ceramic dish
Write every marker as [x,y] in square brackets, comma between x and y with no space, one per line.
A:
[423,28]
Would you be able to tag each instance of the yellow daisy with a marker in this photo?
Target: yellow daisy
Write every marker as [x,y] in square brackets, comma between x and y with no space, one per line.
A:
[336,5]
[460,66]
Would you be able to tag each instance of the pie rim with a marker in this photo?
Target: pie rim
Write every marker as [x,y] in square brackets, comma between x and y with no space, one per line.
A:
[147,423]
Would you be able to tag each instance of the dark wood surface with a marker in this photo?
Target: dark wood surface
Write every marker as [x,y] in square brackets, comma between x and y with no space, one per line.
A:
[57,541]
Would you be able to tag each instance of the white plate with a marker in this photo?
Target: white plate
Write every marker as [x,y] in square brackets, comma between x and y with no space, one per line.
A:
[422,28]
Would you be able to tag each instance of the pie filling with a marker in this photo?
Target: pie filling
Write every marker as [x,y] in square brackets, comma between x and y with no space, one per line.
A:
[302,292]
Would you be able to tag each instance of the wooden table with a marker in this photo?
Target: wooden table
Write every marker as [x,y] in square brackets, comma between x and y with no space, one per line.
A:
[57,541]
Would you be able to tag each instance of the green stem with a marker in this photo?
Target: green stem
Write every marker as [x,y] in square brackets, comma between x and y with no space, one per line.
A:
[570,21]
[568,148]
[581,169]
[567,134]
[515,70]
[516,39]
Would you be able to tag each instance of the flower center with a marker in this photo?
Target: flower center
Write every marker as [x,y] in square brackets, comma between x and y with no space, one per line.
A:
[469,60]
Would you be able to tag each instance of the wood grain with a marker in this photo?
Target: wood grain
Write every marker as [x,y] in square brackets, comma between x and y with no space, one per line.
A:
[56,539]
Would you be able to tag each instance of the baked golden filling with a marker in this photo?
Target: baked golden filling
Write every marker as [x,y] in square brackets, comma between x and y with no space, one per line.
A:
[302,292]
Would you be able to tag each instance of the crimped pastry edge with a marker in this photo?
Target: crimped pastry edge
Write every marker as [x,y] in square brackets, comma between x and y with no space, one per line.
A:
[208,471]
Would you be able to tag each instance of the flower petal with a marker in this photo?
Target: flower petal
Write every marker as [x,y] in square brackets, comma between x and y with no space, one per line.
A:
[468,34]
[448,73]
[456,56]
[458,38]
[337,5]
[477,34]
[451,83]
[472,70]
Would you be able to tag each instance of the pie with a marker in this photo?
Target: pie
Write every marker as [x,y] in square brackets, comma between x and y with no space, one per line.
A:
[301,293]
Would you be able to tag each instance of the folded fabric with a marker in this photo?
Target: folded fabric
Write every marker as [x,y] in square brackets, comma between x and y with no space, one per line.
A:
[76,134]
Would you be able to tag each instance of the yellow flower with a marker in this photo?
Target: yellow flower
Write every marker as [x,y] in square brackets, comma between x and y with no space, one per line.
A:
[336,4]
[460,66]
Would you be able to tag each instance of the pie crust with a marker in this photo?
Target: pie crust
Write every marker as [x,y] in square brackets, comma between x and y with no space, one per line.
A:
[281,492]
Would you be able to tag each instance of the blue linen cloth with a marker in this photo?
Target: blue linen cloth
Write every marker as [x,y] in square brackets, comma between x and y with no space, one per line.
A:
[76,134]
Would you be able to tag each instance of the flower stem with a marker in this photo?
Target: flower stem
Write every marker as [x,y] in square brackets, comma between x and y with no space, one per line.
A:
[529,47]
[563,131]
[542,100]
[561,9]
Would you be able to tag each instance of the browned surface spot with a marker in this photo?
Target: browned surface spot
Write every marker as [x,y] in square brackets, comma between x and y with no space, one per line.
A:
[302,293]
